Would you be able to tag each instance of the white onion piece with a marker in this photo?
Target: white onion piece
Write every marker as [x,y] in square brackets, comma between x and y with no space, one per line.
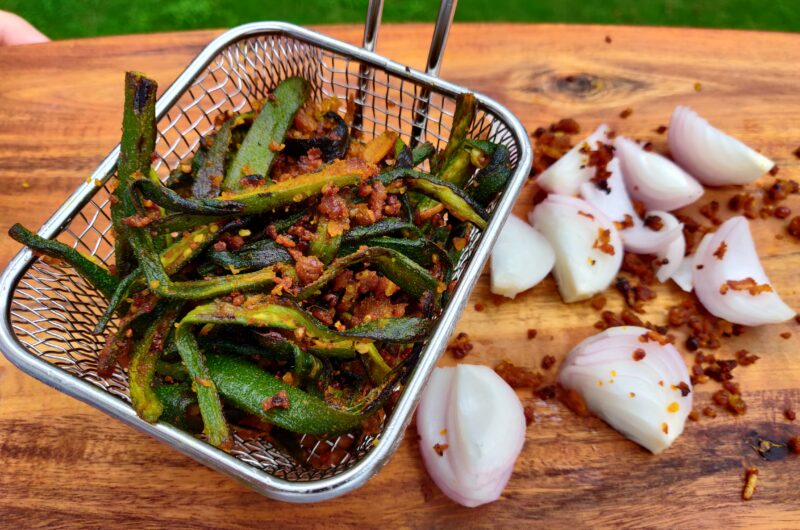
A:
[617,206]
[710,155]
[672,255]
[683,275]
[653,179]
[640,399]
[571,170]
[739,261]
[573,226]
[521,258]
[479,418]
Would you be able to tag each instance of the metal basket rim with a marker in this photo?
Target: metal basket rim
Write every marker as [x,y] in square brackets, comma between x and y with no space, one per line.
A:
[391,436]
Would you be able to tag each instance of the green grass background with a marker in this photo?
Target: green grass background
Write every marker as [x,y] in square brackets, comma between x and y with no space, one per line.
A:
[85,18]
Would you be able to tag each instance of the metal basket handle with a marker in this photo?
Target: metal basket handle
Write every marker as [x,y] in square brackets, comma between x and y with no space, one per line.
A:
[444,20]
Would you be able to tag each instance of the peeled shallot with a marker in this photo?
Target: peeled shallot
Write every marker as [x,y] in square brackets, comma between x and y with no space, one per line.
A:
[571,170]
[634,380]
[472,428]
[731,283]
[710,155]
[587,245]
[613,200]
[653,179]
[521,258]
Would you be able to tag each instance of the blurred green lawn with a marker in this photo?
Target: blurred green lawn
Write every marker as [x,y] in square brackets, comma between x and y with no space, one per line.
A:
[84,18]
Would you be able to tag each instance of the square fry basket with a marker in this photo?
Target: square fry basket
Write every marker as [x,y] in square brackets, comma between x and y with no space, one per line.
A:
[48,311]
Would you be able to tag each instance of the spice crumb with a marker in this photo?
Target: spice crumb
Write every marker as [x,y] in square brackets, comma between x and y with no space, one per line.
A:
[440,448]
[598,302]
[479,307]
[697,86]
[626,113]
[548,361]
[460,346]
[790,414]
[608,41]
[750,480]
[532,333]
[794,444]
[786,335]
[528,411]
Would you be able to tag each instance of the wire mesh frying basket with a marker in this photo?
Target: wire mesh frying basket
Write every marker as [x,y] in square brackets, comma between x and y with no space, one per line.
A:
[48,311]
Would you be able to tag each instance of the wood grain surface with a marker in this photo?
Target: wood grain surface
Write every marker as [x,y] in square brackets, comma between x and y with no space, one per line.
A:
[63,464]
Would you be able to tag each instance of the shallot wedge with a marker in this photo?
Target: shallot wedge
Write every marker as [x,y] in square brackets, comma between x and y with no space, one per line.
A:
[638,385]
[567,174]
[683,275]
[672,256]
[587,245]
[472,428]
[653,179]
[521,258]
[731,283]
[615,203]
[710,155]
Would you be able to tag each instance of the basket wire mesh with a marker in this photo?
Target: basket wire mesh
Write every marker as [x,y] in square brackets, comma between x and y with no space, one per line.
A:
[52,310]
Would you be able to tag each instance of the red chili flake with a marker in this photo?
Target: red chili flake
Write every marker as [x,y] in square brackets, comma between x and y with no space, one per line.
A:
[748,284]
[602,243]
[720,252]
[774,170]
[627,222]
[794,227]
[220,246]
[608,41]
[548,362]
[532,333]
[786,335]
[796,152]
[279,400]
[626,113]
[460,346]
[585,214]
[790,414]
[661,129]
[598,302]
[639,354]
[479,307]
[684,388]
[440,448]
[794,444]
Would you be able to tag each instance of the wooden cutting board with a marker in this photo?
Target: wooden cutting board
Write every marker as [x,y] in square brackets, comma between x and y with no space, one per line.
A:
[63,464]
